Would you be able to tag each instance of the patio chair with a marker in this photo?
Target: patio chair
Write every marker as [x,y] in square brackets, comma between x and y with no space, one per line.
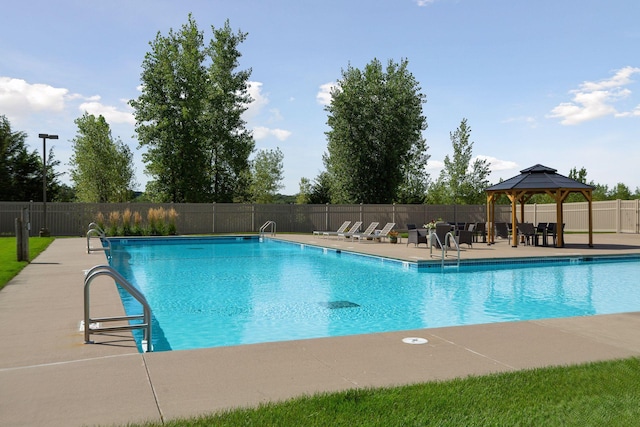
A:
[441,233]
[417,236]
[528,231]
[368,233]
[354,229]
[375,235]
[480,230]
[342,228]
[502,230]
[552,230]
[466,235]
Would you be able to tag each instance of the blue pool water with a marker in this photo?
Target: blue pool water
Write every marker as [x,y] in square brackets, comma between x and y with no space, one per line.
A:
[231,291]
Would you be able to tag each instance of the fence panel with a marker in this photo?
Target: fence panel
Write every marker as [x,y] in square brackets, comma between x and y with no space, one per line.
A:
[72,219]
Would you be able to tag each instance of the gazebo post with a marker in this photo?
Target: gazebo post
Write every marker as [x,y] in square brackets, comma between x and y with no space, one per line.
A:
[590,221]
[514,220]
[559,220]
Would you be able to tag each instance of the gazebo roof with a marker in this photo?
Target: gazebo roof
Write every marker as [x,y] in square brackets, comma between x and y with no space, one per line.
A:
[540,178]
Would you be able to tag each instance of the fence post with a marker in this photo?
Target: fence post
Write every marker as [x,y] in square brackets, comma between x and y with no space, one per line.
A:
[618,215]
[22,236]
[393,212]
[326,216]
[637,218]
[213,217]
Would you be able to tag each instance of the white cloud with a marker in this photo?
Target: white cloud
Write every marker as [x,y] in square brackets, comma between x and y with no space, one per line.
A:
[259,101]
[324,94]
[497,164]
[261,132]
[593,100]
[255,110]
[423,3]
[18,97]
[528,120]
[110,113]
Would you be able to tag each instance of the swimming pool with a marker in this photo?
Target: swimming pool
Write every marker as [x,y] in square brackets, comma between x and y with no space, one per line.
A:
[209,292]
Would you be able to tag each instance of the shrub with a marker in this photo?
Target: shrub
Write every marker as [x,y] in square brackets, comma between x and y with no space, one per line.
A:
[173,216]
[114,222]
[126,222]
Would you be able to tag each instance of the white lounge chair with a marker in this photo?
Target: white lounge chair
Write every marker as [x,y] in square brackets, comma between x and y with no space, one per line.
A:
[342,228]
[353,230]
[384,233]
[369,232]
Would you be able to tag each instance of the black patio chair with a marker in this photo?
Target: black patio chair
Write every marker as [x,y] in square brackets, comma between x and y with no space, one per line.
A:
[417,236]
[528,231]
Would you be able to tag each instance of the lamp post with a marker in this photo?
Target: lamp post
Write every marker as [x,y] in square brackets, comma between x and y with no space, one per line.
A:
[44,231]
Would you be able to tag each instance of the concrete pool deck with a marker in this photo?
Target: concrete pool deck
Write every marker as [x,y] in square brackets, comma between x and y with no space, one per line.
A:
[49,377]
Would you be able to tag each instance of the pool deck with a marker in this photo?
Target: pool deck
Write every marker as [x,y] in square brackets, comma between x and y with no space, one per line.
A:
[49,377]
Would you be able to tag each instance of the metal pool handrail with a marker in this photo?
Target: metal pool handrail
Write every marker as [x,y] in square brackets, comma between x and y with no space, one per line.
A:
[105,270]
[266,225]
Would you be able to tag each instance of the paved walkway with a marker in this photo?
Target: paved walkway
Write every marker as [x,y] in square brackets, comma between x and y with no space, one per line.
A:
[49,377]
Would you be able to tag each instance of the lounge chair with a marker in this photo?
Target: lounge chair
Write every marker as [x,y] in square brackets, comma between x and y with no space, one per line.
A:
[383,234]
[353,230]
[368,233]
[342,228]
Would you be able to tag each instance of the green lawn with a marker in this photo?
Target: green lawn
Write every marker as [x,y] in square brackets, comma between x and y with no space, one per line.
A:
[9,266]
[597,394]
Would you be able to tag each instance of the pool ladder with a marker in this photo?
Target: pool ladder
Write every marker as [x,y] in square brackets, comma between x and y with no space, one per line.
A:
[95,229]
[448,238]
[266,225]
[92,325]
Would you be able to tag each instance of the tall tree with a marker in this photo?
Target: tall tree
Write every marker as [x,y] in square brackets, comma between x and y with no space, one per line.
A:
[375,141]
[304,194]
[229,143]
[189,116]
[102,167]
[461,181]
[267,174]
[20,170]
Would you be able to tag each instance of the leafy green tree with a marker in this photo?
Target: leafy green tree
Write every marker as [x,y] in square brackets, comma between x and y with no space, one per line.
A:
[321,189]
[102,166]
[620,191]
[304,194]
[461,181]
[229,144]
[267,175]
[189,116]
[375,141]
[21,170]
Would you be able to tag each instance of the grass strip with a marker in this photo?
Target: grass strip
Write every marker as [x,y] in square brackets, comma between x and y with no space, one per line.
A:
[9,266]
[595,394]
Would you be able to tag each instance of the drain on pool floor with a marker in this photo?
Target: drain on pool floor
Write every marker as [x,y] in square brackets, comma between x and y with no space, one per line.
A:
[339,304]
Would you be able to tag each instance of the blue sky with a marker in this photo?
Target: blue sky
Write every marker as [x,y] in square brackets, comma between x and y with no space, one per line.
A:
[549,82]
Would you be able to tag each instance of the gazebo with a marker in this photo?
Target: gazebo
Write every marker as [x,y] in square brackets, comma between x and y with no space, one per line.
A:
[537,179]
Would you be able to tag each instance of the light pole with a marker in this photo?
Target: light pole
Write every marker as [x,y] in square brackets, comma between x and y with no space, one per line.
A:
[44,231]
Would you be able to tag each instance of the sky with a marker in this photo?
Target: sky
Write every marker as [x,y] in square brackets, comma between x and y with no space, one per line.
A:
[548,82]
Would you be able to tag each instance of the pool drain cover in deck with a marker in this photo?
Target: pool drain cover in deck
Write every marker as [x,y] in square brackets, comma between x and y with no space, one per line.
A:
[414,340]
[339,304]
